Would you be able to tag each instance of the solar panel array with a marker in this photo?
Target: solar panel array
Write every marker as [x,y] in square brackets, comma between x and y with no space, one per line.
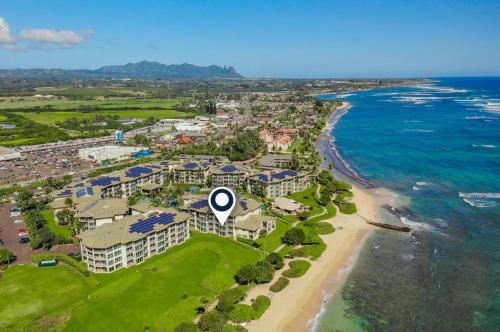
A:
[205,164]
[65,193]
[200,204]
[262,177]
[244,205]
[78,185]
[105,181]
[89,191]
[137,171]
[281,175]
[147,225]
[228,168]
[191,165]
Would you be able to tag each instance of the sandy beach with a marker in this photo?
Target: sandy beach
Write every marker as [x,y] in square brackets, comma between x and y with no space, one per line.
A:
[295,306]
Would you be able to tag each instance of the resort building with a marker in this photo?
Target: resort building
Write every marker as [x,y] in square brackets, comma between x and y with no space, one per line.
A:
[275,160]
[191,173]
[133,239]
[245,219]
[228,175]
[272,184]
[287,206]
[100,212]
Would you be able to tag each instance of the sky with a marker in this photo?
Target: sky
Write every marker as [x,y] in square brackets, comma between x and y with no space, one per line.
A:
[285,39]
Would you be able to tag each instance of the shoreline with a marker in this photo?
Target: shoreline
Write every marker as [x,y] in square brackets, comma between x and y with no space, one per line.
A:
[299,306]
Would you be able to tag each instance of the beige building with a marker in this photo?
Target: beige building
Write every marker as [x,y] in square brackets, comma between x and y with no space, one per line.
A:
[276,183]
[231,176]
[133,239]
[246,219]
[287,206]
[191,173]
[100,212]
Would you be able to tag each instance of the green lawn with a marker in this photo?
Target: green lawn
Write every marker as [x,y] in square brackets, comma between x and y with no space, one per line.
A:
[272,241]
[160,293]
[54,227]
[50,118]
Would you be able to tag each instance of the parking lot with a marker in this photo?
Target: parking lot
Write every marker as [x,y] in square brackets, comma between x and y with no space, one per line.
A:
[44,164]
[9,235]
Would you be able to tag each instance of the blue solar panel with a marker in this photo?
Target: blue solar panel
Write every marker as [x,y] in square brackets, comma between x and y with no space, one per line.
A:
[78,185]
[200,204]
[205,164]
[283,174]
[137,171]
[164,163]
[90,191]
[244,205]
[228,168]
[80,193]
[191,165]
[65,193]
[262,177]
[147,225]
[104,181]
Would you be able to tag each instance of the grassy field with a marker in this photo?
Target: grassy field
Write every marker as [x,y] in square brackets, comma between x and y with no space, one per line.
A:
[158,294]
[308,198]
[113,102]
[54,227]
[50,118]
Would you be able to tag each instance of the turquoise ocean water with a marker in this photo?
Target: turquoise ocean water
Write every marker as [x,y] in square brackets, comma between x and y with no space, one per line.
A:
[437,146]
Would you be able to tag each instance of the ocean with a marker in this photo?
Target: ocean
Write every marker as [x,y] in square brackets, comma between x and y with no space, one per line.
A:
[436,146]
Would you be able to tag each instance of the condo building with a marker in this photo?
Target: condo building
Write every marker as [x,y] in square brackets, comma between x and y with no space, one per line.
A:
[133,239]
[228,175]
[272,184]
[100,212]
[191,173]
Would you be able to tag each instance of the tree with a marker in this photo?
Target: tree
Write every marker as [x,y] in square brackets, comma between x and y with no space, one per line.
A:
[187,327]
[247,273]
[66,217]
[275,259]
[47,237]
[294,236]
[265,272]
[6,256]
[229,298]
[68,201]
[212,321]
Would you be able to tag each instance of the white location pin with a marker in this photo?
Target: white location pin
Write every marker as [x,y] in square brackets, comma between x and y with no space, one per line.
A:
[221,200]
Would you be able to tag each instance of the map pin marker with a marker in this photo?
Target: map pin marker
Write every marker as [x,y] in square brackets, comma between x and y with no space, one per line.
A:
[221,200]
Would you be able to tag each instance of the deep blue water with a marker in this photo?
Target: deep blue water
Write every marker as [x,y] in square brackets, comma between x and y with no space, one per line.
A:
[437,145]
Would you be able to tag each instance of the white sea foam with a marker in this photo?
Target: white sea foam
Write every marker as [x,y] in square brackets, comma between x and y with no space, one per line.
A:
[423,183]
[486,146]
[480,200]
[419,225]
[345,95]
[419,130]
[491,105]
[412,121]
[479,118]
[429,86]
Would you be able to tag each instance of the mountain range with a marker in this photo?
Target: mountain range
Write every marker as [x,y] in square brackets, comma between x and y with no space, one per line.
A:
[143,69]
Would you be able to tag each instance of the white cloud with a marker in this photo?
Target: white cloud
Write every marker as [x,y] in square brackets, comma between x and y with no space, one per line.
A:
[32,39]
[65,38]
[5,36]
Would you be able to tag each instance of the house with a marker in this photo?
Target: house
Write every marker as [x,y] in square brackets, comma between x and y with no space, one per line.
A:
[276,183]
[281,143]
[133,239]
[287,206]
[100,212]
[254,226]
[183,139]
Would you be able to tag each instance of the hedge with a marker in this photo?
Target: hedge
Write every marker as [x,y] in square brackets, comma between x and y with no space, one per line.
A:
[242,313]
[260,305]
[297,268]
[279,285]
[79,266]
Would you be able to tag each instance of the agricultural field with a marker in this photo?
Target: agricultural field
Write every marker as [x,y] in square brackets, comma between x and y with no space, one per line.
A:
[155,295]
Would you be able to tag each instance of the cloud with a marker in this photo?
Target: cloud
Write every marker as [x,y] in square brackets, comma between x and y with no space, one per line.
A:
[65,38]
[5,36]
[41,39]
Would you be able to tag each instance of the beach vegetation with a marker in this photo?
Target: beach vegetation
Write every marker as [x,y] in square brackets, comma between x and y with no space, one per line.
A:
[294,236]
[279,285]
[260,305]
[247,273]
[297,269]
[187,327]
[242,313]
[233,328]
[276,260]
[265,272]
[212,321]
[229,298]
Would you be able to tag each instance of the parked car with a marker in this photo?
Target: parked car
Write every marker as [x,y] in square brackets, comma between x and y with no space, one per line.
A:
[14,212]
[23,240]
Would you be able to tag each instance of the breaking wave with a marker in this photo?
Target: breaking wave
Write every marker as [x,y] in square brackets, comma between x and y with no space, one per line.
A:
[480,200]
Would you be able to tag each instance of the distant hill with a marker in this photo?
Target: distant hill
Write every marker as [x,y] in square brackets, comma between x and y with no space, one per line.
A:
[143,69]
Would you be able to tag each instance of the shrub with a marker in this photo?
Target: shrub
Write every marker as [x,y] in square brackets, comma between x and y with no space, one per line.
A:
[276,260]
[242,313]
[347,208]
[229,298]
[260,305]
[293,236]
[233,328]
[187,327]
[212,321]
[6,256]
[265,272]
[79,266]
[249,242]
[247,273]
[279,285]
[297,269]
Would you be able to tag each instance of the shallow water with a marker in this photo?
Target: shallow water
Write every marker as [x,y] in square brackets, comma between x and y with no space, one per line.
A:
[439,146]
